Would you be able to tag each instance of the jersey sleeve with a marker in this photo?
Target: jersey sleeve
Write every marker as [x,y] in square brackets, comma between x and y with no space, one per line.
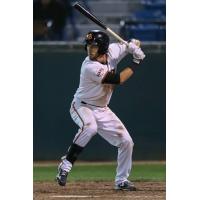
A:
[117,51]
[96,72]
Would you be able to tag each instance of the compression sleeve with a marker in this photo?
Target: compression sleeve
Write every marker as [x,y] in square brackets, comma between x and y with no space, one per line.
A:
[111,78]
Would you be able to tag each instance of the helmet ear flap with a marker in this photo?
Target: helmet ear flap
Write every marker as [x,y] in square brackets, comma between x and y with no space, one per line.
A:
[102,49]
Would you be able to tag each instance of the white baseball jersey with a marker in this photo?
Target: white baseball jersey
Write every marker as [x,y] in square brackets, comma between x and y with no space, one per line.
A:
[90,88]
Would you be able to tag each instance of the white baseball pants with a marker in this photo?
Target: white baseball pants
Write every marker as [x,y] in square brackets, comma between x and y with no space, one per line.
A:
[102,120]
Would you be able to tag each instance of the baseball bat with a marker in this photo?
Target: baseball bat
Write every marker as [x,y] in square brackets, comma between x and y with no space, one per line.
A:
[98,22]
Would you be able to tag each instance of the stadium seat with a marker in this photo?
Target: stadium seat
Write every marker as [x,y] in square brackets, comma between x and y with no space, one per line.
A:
[144,32]
[148,15]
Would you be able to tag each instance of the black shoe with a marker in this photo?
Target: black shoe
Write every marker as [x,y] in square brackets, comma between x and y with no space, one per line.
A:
[126,185]
[61,176]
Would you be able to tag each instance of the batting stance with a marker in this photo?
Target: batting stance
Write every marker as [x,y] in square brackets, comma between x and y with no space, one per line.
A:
[89,108]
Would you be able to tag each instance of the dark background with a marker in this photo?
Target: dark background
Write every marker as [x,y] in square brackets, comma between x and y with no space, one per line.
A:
[140,104]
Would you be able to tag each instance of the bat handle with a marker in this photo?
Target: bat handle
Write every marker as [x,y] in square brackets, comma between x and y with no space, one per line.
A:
[116,36]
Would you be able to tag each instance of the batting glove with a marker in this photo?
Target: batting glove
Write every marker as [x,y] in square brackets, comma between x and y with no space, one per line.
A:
[134,48]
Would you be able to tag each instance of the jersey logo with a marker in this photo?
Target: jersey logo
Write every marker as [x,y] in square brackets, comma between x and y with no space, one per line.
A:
[100,73]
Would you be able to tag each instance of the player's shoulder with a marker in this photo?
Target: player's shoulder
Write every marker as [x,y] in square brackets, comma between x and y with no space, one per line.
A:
[89,66]
[87,63]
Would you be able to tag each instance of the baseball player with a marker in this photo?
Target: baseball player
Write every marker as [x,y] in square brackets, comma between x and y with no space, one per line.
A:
[89,108]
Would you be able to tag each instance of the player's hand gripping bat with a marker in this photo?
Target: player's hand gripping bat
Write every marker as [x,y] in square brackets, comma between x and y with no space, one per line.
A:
[98,22]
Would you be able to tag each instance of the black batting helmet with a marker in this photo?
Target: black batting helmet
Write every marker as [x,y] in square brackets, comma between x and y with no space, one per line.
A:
[99,38]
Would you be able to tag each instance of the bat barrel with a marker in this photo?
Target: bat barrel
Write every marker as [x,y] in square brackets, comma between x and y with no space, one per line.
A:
[89,15]
[98,22]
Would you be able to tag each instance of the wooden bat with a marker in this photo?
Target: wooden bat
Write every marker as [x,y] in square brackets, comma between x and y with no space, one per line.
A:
[98,22]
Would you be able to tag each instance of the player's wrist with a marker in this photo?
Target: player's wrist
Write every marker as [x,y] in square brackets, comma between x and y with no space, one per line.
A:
[136,61]
[133,68]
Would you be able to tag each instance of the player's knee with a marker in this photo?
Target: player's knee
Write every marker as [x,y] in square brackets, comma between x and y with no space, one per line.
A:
[91,128]
[128,142]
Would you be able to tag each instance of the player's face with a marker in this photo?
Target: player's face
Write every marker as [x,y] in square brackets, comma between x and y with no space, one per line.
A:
[92,51]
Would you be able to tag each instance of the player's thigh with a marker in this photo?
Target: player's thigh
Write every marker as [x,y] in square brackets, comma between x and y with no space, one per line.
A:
[112,129]
[81,115]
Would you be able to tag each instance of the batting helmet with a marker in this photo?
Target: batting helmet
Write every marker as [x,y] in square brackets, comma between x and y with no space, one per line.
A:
[98,38]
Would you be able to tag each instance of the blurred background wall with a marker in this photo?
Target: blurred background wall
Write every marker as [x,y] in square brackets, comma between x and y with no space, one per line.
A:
[140,103]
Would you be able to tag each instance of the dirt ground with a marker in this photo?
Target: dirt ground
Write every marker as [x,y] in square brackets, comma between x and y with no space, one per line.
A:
[98,190]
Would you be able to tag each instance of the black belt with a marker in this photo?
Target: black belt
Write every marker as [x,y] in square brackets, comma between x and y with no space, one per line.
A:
[83,102]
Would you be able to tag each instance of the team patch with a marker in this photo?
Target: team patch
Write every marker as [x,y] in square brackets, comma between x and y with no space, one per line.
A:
[89,36]
[100,73]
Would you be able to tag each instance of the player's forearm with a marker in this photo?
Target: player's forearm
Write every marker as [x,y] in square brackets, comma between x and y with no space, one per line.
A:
[126,74]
